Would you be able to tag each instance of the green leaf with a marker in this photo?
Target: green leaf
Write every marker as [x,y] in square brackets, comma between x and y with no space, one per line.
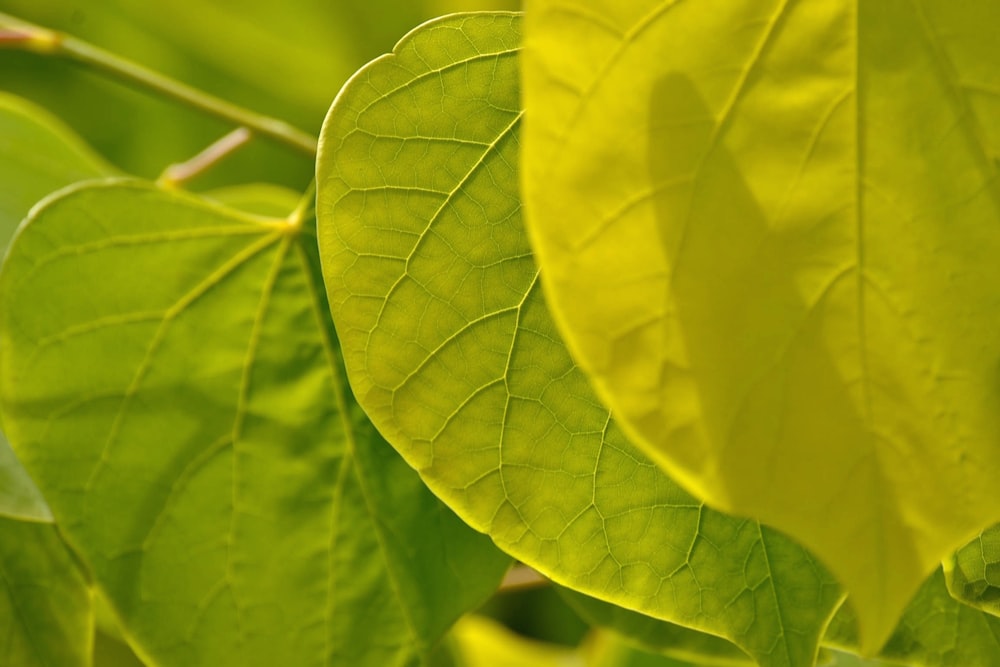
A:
[45,616]
[655,635]
[170,378]
[112,652]
[20,499]
[607,649]
[935,631]
[451,351]
[769,232]
[38,155]
[259,198]
[973,572]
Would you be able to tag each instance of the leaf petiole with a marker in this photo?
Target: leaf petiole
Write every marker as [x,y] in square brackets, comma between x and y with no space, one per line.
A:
[180,173]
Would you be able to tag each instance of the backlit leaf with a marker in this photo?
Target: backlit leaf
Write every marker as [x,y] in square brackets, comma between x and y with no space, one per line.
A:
[171,380]
[973,572]
[451,351]
[769,231]
[258,198]
[935,631]
[45,617]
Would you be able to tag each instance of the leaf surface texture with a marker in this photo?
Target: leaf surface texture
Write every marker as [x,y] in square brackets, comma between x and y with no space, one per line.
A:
[171,380]
[768,231]
[451,351]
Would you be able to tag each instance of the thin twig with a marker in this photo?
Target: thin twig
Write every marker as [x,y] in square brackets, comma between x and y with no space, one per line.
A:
[522,577]
[180,173]
[18,34]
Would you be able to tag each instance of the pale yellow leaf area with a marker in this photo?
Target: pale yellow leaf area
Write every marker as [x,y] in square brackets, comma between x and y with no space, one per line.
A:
[769,232]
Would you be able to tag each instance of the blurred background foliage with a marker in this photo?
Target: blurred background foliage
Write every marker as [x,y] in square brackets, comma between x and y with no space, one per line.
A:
[286,60]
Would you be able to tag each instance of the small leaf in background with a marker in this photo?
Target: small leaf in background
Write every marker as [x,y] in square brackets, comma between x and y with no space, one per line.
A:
[935,631]
[45,613]
[38,155]
[171,380]
[973,572]
[768,231]
[451,351]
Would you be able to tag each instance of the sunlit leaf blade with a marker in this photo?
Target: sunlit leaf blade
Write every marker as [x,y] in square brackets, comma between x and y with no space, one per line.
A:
[170,378]
[769,230]
[45,617]
[655,635]
[38,155]
[451,351]
[973,572]
[844,659]
[935,631]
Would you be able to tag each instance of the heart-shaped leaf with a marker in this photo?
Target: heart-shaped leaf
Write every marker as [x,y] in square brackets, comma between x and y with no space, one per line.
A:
[769,232]
[451,351]
[171,379]
[45,613]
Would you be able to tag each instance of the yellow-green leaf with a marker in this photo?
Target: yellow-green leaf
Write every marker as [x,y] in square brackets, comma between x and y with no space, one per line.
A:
[170,378]
[769,231]
[451,351]
[973,572]
[935,631]
[38,155]
[45,609]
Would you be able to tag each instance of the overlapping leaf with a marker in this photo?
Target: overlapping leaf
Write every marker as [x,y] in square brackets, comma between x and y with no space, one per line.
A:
[655,635]
[935,631]
[451,351]
[482,642]
[768,230]
[170,378]
[973,572]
